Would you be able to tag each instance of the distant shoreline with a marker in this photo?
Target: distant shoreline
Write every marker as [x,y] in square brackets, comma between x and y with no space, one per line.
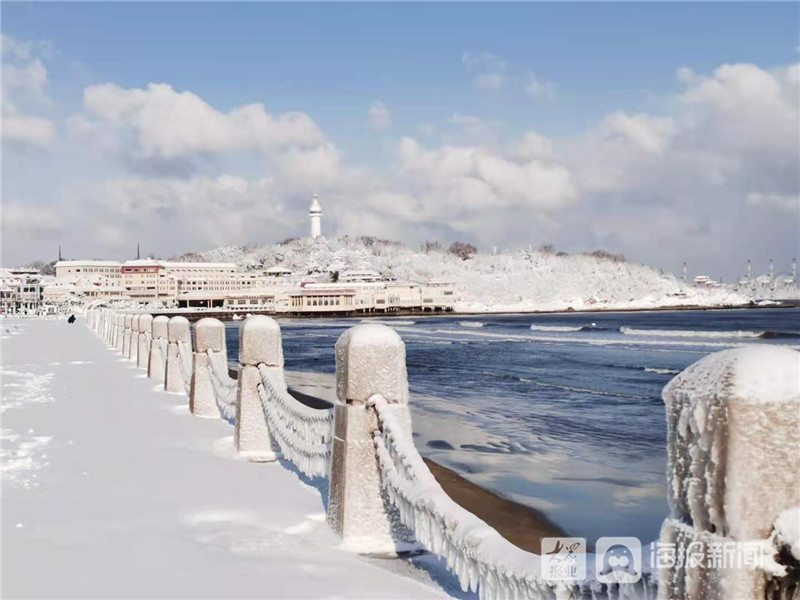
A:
[226,315]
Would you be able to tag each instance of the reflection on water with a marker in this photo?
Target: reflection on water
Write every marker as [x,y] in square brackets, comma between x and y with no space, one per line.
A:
[561,412]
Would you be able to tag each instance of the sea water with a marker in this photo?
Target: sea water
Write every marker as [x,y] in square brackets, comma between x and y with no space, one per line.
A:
[561,412]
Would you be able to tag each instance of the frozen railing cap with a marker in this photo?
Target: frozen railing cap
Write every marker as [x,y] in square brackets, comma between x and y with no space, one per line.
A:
[128,321]
[145,323]
[178,330]
[160,327]
[209,334]
[371,359]
[260,342]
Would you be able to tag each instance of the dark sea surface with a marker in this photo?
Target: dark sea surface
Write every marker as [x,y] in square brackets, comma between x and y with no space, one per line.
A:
[566,416]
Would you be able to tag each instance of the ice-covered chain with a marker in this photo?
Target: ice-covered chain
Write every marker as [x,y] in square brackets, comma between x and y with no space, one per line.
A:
[164,347]
[185,362]
[225,386]
[303,433]
[481,558]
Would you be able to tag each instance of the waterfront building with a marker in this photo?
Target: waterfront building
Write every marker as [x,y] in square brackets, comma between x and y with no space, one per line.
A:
[88,269]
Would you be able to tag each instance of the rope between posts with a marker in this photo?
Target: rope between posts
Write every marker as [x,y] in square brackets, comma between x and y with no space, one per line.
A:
[185,362]
[479,556]
[225,387]
[303,433]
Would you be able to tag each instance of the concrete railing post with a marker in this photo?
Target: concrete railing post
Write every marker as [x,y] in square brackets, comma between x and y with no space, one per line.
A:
[155,363]
[209,334]
[114,330]
[177,331]
[109,317]
[370,360]
[120,332]
[733,423]
[126,339]
[145,329]
[133,347]
[259,343]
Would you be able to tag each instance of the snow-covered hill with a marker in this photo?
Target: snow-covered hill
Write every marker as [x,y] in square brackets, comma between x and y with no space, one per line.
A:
[522,281]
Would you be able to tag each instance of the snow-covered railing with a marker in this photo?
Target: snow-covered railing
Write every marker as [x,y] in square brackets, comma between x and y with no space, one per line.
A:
[734,476]
[302,433]
[211,393]
[177,333]
[145,336]
[734,442]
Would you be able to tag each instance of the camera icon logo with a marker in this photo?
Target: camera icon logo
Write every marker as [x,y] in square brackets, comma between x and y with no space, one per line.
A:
[618,560]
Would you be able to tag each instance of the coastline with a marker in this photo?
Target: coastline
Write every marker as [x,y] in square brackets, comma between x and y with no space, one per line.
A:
[522,525]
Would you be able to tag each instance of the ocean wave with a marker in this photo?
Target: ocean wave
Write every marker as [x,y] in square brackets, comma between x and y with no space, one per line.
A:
[397,322]
[697,333]
[567,329]
[660,371]
[471,324]
[585,390]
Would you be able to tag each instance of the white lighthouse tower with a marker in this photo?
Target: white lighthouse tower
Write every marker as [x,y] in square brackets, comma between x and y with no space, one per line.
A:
[315,212]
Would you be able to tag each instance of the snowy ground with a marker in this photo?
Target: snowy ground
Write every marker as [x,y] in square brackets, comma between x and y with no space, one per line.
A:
[110,488]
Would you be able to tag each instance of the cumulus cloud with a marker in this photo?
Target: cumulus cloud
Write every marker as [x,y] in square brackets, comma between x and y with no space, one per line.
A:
[167,124]
[781,202]
[380,117]
[650,134]
[23,90]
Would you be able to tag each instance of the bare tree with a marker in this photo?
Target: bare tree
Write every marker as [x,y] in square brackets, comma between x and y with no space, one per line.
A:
[462,250]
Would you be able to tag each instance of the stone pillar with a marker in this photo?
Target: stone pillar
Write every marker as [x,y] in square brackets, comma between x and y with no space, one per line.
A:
[177,331]
[209,334]
[120,332]
[115,330]
[370,359]
[155,364]
[733,443]
[259,343]
[126,340]
[145,328]
[133,347]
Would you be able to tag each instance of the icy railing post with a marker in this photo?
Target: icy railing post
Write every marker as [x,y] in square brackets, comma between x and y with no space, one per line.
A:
[126,338]
[259,343]
[177,331]
[370,360]
[112,329]
[733,423]
[155,364]
[120,332]
[108,320]
[209,334]
[133,347]
[145,328]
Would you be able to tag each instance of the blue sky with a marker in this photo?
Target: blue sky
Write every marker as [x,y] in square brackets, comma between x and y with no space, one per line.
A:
[450,76]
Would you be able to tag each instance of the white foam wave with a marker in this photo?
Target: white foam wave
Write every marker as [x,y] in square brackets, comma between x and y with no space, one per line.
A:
[397,322]
[698,333]
[554,328]
[661,371]
[471,324]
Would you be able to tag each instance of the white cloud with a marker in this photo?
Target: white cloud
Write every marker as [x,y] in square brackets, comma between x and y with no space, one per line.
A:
[787,203]
[22,220]
[380,117]
[534,146]
[168,124]
[24,83]
[539,88]
[651,134]
[488,69]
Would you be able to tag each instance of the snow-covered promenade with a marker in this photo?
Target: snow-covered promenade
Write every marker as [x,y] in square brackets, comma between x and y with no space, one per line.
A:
[112,489]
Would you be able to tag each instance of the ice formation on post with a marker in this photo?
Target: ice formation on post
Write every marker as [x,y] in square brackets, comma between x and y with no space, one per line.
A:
[145,337]
[209,338]
[370,359]
[259,343]
[225,387]
[734,456]
[158,349]
[177,333]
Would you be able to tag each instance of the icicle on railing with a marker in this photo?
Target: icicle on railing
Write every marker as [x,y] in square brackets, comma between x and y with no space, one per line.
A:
[225,387]
[303,433]
[164,345]
[480,557]
[185,363]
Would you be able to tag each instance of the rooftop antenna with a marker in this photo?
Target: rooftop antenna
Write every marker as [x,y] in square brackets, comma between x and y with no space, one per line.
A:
[59,252]
[138,252]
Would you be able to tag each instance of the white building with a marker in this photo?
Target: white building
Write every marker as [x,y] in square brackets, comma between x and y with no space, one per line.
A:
[315,213]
